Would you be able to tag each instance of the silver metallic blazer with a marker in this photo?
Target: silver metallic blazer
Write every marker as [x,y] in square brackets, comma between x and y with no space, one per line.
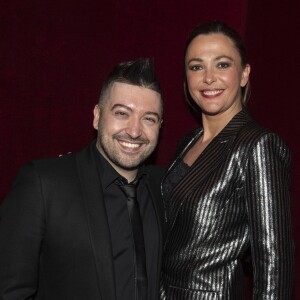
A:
[235,196]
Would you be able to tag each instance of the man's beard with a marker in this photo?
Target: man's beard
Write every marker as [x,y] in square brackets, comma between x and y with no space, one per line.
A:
[114,154]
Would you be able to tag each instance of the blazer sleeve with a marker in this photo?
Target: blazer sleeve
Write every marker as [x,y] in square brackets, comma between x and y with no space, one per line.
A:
[268,204]
[22,225]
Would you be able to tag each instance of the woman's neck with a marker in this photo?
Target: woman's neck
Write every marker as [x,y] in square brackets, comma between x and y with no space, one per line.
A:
[213,125]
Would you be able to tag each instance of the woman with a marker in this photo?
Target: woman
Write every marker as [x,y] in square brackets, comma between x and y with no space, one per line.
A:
[228,188]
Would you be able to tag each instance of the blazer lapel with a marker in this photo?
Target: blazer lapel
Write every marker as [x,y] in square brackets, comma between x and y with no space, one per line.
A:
[92,197]
[213,155]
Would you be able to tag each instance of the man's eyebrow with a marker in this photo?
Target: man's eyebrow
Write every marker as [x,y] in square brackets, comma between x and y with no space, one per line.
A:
[152,113]
[121,105]
[130,109]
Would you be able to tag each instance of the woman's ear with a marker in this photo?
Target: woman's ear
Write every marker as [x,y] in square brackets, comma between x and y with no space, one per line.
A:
[245,75]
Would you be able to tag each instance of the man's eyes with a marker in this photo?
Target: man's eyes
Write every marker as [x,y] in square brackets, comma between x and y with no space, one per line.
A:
[121,113]
[151,120]
[124,114]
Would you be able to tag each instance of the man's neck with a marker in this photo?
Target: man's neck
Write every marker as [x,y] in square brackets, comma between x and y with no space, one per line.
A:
[130,175]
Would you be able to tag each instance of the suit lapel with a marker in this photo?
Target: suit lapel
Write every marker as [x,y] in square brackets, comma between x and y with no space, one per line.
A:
[93,201]
[153,184]
[214,154]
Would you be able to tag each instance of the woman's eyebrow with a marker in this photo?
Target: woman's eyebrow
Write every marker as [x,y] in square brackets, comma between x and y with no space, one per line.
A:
[224,56]
[196,59]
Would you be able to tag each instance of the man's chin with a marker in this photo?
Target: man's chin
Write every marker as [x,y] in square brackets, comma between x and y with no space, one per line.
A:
[129,166]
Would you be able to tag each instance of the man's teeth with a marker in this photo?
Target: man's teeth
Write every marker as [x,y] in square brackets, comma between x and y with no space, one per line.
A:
[129,145]
[211,93]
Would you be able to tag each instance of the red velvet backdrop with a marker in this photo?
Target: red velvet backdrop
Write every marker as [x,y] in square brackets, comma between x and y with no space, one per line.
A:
[55,54]
[272,36]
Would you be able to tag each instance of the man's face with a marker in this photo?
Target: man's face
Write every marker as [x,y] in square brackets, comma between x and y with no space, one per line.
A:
[128,126]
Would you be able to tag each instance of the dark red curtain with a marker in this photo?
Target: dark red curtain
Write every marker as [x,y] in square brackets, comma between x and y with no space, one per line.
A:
[272,31]
[55,54]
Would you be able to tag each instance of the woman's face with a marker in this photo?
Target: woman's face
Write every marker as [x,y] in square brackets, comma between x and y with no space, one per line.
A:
[214,74]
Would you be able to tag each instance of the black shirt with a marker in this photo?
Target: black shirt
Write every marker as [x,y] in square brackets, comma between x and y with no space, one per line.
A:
[175,175]
[121,232]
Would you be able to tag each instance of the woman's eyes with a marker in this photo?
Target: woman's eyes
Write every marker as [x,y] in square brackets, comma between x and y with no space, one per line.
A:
[223,65]
[196,67]
[220,65]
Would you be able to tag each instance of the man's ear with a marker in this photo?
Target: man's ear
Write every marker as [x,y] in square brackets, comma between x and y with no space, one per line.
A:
[96,116]
[161,123]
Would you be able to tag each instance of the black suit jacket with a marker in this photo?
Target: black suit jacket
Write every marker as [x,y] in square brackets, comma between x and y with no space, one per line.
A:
[54,235]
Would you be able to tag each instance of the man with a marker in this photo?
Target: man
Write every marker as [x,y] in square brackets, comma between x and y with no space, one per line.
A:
[65,229]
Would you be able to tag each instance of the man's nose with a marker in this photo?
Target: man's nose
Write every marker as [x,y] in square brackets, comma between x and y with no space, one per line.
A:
[134,128]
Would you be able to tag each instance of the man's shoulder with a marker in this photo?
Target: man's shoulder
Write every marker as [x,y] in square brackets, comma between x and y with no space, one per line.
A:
[55,165]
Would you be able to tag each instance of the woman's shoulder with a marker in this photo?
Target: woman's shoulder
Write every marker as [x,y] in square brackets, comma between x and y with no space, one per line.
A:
[253,131]
[259,139]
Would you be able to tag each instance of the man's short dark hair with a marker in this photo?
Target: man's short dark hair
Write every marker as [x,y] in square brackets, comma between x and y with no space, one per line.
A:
[139,72]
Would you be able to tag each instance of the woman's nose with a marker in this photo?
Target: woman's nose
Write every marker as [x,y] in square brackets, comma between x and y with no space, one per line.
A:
[209,76]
